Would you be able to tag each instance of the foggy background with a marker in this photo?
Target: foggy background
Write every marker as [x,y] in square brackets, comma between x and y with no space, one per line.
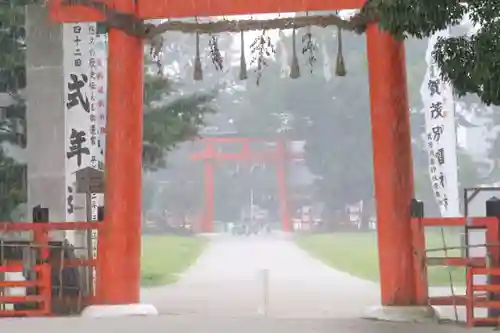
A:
[324,117]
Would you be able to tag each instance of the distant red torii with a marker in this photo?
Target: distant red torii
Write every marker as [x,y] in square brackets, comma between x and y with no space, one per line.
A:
[211,154]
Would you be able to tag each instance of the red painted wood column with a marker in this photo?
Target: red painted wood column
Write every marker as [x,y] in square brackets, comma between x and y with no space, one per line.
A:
[392,166]
[120,240]
[281,156]
[209,187]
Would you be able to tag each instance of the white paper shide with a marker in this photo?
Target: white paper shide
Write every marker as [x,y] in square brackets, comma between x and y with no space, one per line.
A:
[441,139]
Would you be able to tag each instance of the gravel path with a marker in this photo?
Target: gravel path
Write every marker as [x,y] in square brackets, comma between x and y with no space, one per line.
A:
[228,281]
[225,290]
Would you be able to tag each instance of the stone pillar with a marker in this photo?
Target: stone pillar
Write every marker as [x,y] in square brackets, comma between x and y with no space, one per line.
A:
[45,124]
[45,114]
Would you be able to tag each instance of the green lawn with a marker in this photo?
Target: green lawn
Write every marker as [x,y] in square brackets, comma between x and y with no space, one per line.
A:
[357,254]
[165,256]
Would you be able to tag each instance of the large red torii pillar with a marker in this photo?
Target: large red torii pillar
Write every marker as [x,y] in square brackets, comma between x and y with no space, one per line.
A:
[118,280]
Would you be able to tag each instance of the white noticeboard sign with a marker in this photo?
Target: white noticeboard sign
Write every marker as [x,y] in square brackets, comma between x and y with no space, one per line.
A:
[441,138]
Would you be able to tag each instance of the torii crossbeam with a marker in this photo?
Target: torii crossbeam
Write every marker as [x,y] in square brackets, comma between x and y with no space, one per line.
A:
[119,274]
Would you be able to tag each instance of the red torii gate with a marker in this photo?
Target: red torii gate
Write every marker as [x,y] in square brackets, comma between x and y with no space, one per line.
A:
[119,275]
[210,155]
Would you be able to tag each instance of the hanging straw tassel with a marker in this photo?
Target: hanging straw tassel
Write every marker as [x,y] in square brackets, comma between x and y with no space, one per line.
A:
[340,68]
[243,64]
[198,71]
[294,66]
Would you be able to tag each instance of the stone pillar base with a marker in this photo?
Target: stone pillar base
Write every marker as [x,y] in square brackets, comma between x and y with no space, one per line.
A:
[404,314]
[126,310]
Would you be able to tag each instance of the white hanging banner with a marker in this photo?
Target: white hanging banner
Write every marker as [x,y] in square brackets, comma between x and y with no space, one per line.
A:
[93,118]
[99,77]
[98,73]
[79,104]
[102,82]
[441,138]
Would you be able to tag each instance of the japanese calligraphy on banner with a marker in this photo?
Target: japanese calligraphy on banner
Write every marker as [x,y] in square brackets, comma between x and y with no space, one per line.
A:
[441,138]
[99,75]
[80,104]
[102,71]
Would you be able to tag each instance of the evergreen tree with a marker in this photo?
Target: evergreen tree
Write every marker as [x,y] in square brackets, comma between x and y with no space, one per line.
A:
[13,120]
[168,118]
[470,61]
